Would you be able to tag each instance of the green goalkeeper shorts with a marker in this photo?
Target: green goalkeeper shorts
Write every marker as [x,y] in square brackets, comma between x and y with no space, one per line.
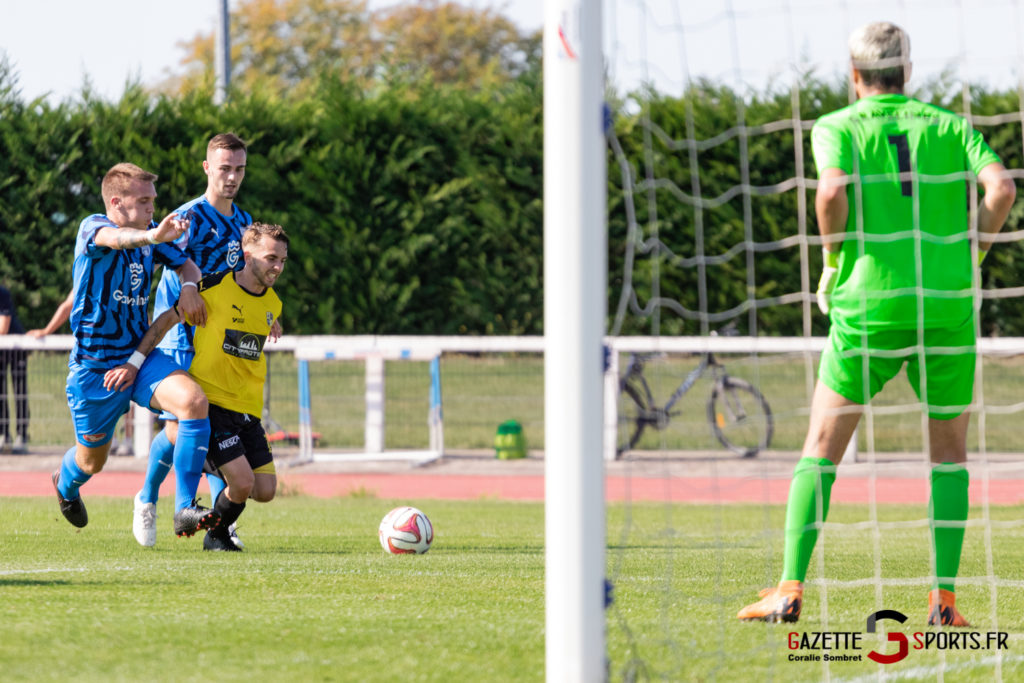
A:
[947,386]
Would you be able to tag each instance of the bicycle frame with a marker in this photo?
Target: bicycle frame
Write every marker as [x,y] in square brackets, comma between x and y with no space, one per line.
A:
[707,360]
[730,404]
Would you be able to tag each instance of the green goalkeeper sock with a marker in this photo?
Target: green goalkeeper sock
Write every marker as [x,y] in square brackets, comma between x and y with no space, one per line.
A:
[806,508]
[948,504]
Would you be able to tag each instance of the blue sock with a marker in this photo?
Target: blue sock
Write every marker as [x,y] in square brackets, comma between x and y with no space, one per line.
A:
[161,457]
[189,455]
[71,476]
[216,485]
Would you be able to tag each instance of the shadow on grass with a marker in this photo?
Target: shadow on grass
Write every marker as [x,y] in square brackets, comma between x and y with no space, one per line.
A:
[39,582]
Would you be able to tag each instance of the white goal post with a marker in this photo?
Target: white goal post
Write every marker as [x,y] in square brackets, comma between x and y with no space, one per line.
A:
[575,280]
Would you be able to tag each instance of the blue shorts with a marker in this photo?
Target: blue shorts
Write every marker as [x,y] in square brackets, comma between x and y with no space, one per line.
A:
[95,409]
[182,358]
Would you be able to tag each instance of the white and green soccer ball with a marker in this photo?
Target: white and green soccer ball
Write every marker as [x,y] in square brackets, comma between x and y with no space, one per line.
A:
[405,530]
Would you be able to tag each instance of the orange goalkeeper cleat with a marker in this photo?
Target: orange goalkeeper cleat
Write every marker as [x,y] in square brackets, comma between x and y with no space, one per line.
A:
[781,603]
[942,609]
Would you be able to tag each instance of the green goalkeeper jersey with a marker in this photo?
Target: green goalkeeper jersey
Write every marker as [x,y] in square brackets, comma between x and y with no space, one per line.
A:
[911,264]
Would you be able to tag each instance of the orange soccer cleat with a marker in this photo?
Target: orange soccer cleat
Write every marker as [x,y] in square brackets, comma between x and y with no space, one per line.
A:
[781,603]
[942,609]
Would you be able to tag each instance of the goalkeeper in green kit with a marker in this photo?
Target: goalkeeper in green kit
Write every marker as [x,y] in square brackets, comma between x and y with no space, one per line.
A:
[898,286]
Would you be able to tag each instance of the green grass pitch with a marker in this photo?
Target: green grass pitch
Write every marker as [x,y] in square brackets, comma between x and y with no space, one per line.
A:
[314,598]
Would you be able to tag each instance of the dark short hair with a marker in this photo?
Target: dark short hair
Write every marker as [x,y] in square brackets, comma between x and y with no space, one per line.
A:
[226,141]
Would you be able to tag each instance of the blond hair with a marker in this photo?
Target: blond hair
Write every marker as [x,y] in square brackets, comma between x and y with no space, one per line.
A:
[119,179]
[881,53]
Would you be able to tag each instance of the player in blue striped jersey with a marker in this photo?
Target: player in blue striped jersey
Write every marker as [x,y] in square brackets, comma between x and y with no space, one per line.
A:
[114,258]
[214,242]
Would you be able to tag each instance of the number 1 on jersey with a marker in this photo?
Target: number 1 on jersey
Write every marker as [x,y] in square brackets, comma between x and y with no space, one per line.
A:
[903,161]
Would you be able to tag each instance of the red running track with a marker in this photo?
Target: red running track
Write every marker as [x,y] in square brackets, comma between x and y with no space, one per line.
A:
[531,488]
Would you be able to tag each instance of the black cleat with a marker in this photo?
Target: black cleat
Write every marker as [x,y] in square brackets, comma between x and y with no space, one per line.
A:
[189,520]
[215,539]
[233,536]
[73,510]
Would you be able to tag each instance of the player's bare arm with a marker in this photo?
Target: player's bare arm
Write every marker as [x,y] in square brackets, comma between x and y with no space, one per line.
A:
[121,238]
[832,207]
[122,377]
[170,229]
[1000,193]
[60,316]
[164,322]
[189,302]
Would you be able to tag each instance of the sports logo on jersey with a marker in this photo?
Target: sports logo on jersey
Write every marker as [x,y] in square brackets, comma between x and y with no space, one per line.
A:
[242,344]
[241,316]
[234,251]
[270,318]
[129,300]
[136,270]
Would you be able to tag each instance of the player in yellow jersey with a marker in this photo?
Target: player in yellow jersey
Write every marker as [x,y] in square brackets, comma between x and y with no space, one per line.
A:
[230,367]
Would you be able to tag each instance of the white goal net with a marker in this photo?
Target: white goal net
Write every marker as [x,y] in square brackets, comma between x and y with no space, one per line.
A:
[714,246]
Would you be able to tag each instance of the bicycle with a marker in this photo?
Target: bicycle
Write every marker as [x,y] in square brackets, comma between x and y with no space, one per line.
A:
[738,414]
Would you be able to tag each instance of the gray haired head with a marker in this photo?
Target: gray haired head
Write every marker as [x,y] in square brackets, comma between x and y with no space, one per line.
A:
[881,53]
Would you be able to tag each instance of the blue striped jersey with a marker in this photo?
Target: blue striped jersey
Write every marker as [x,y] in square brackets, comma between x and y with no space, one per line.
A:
[214,242]
[111,286]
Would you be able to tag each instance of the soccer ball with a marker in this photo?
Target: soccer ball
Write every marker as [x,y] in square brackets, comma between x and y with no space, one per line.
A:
[405,530]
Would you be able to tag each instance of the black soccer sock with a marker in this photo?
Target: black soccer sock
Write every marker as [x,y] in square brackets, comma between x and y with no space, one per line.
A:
[228,510]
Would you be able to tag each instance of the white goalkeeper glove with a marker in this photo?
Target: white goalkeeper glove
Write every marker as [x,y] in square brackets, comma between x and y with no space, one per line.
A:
[829,275]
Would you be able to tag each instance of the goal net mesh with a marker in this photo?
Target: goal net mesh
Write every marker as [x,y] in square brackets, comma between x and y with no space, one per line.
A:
[712,232]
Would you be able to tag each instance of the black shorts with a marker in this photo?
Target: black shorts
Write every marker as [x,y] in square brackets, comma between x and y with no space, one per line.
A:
[234,435]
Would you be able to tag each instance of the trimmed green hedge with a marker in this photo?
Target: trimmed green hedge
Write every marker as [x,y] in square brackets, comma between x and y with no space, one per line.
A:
[418,210]
[409,212]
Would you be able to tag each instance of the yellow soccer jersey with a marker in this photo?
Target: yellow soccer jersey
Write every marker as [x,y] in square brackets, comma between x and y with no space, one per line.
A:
[229,363]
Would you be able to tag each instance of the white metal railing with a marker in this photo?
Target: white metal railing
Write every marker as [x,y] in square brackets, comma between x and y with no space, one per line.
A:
[375,349]
[361,345]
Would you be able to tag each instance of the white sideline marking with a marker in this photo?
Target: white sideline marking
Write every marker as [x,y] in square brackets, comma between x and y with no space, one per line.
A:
[11,572]
[919,672]
[51,570]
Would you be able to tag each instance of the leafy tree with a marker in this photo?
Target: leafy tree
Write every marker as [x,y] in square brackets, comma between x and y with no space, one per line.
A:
[450,43]
[282,46]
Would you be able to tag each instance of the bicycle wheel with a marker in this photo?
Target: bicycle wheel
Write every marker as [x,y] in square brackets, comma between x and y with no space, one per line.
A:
[740,417]
[634,399]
